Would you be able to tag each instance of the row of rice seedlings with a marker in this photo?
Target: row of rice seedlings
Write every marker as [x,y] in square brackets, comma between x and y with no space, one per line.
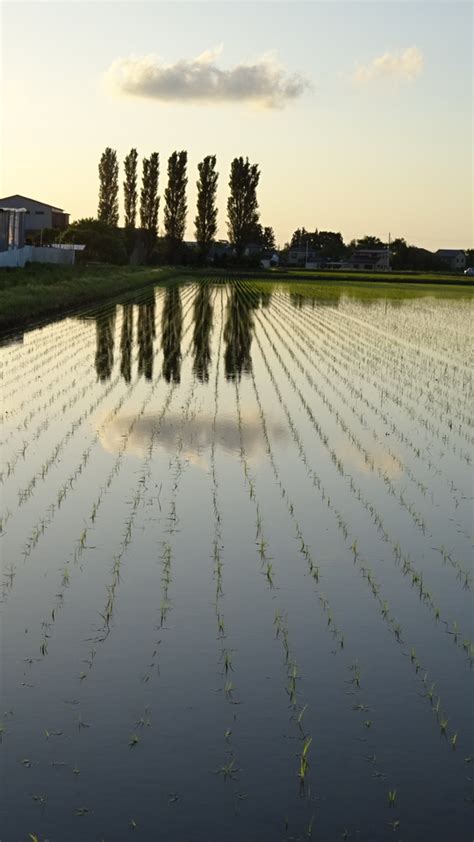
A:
[419,328]
[358,368]
[138,500]
[353,438]
[81,542]
[453,375]
[25,493]
[44,426]
[45,522]
[332,362]
[166,555]
[366,570]
[399,394]
[291,667]
[45,396]
[417,516]
[452,378]
[229,770]
[352,404]
[408,568]
[462,574]
[314,571]
[40,359]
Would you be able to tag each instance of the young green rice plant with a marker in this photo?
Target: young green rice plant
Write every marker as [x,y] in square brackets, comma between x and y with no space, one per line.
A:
[304,763]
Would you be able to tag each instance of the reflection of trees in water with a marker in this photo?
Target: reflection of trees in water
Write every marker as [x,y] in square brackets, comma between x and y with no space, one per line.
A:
[104,352]
[265,299]
[331,298]
[202,333]
[238,333]
[146,333]
[297,300]
[126,342]
[171,329]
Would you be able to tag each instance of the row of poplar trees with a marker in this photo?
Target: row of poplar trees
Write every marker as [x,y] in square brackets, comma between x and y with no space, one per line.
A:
[242,205]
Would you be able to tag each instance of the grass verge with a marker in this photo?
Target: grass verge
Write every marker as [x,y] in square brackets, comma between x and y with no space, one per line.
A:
[40,290]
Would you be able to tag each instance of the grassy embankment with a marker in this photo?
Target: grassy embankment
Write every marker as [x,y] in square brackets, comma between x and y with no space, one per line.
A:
[39,291]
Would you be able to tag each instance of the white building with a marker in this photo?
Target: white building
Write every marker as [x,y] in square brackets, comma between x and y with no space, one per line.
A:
[14,253]
[38,215]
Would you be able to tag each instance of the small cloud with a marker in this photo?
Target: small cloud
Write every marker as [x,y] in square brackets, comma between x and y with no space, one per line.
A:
[264,82]
[406,66]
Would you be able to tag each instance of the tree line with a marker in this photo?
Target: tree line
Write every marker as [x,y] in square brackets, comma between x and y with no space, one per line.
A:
[141,205]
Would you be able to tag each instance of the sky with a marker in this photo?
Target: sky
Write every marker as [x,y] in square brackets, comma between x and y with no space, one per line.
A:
[359,114]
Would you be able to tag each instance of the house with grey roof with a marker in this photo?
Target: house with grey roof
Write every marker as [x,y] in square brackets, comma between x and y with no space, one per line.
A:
[38,215]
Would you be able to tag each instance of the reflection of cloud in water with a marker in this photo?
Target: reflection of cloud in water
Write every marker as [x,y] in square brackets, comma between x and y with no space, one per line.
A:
[382,460]
[197,434]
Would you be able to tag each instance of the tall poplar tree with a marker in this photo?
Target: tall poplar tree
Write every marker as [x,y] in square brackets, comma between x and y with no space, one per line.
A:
[206,217]
[149,202]
[130,192]
[242,205]
[175,202]
[108,210]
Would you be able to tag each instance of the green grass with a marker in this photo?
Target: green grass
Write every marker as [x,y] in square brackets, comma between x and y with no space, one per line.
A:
[28,295]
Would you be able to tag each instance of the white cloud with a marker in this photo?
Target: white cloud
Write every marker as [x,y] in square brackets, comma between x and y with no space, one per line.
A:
[265,82]
[405,65]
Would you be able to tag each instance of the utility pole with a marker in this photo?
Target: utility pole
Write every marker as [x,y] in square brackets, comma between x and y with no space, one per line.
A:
[389,243]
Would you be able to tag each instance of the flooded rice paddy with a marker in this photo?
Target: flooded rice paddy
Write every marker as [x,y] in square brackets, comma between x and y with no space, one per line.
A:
[236,594]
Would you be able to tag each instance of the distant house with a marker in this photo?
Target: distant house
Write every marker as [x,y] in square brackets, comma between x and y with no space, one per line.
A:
[369,259]
[38,215]
[455,259]
[304,258]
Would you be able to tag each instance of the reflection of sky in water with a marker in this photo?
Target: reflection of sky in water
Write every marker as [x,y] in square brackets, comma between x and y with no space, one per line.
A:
[382,461]
[217,343]
[197,434]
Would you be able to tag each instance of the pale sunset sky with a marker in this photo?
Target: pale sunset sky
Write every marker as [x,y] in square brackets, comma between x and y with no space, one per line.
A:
[358,113]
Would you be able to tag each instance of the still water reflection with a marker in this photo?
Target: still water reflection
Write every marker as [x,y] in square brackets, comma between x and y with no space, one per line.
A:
[237,568]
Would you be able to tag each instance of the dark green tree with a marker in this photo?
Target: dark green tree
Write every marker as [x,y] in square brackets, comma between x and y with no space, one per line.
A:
[175,203]
[150,202]
[369,242]
[104,243]
[206,217]
[108,210]
[242,205]
[130,192]
[268,240]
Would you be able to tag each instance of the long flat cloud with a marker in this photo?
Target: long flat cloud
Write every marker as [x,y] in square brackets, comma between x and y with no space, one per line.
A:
[405,65]
[265,82]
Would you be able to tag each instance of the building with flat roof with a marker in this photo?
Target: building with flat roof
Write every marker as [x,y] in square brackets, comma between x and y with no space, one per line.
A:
[38,215]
